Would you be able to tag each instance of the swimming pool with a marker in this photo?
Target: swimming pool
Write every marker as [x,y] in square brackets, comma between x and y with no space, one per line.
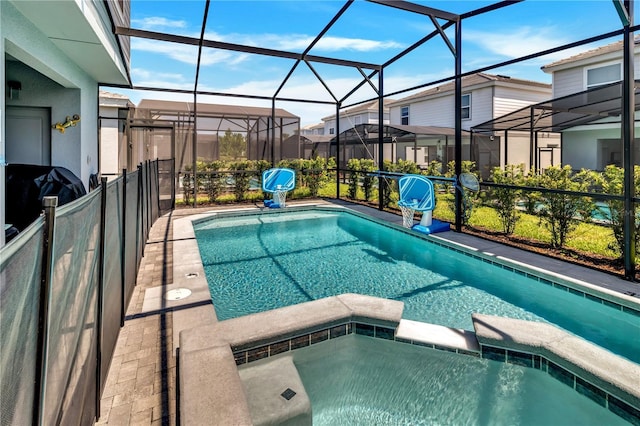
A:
[264,261]
[415,385]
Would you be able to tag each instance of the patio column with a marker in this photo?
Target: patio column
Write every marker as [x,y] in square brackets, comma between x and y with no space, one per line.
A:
[628,135]
[381,188]
[458,118]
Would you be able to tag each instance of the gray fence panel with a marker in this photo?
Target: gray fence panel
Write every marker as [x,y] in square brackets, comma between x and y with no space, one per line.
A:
[20,267]
[71,361]
[131,235]
[166,189]
[112,275]
[155,202]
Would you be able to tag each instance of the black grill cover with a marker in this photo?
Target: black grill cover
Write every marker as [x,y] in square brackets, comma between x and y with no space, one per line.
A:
[27,185]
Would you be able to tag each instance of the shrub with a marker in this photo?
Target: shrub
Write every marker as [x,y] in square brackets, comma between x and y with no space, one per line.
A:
[504,199]
[532,199]
[561,212]
[213,180]
[354,166]
[612,182]
[242,174]
[367,166]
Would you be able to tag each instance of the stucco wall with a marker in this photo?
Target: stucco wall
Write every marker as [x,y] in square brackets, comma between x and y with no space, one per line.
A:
[109,141]
[51,79]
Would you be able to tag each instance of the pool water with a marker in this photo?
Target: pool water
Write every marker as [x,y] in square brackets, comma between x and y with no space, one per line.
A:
[357,380]
[261,262]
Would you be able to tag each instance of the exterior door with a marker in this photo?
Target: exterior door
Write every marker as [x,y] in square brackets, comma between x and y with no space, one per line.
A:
[28,136]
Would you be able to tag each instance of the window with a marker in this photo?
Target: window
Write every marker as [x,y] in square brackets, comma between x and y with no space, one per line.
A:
[404,115]
[357,120]
[332,131]
[603,75]
[466,106]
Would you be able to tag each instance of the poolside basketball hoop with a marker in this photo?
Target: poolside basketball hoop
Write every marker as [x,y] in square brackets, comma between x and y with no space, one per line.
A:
[417,194]
[278,182]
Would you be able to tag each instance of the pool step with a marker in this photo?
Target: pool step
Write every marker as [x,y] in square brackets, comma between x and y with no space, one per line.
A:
[275,393]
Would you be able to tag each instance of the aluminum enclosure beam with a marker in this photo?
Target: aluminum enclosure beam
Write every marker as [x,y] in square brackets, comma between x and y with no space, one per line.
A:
[419,9]
[153,35]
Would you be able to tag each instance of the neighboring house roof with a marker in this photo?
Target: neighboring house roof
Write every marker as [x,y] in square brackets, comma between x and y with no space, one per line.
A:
[562,113]
[609,51]
[368,106]
[213,109]
[473,81]
[116,100]
[313,126]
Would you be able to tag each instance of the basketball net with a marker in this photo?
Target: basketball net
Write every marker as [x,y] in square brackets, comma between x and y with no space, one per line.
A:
[407,216]
[280,197]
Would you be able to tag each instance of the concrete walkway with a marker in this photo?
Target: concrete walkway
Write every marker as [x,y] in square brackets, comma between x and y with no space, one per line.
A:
[141,383]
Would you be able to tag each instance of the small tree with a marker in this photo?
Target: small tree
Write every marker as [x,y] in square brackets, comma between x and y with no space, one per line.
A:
[367,166]
[232,145]
[242,176]
[612,182]
[354,167]
[531,199]
[561,212]
[389,187]
[469,198]
[213,183]
[505,198]
[315,173]
[187,186]
[261,166]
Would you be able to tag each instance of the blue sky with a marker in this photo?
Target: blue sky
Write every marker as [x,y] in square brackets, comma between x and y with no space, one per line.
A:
[367,32]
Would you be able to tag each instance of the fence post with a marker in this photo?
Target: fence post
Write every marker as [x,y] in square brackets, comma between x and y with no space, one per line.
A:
[123,253]
[100,301]
[139,221]
[49,204]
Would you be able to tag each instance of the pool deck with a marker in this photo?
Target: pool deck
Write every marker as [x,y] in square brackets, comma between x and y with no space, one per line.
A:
[141,385]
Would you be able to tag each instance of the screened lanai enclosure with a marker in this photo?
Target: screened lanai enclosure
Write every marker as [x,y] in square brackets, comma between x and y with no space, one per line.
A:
[260,132]
[581,129]
[421,145]
[447,133]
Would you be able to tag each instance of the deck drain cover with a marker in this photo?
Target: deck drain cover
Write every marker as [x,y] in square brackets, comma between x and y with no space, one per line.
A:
[288,394]
[177,294]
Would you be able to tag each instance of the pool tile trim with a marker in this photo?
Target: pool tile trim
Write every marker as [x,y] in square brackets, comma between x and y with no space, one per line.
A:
[566,377]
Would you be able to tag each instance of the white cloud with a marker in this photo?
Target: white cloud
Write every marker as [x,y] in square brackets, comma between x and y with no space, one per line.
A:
[520,42]
[188,54]
[299,42]
[158,22]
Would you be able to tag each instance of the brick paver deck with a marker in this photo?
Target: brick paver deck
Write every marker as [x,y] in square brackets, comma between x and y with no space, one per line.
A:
[141,383]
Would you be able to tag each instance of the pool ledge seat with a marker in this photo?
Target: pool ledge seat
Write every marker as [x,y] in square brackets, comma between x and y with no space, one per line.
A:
[611,373]
[209,378]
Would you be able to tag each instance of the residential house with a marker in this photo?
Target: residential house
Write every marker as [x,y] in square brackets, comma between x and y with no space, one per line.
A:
[312,129]
[593,79]
[56,53]
[484,97]
[366,113]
